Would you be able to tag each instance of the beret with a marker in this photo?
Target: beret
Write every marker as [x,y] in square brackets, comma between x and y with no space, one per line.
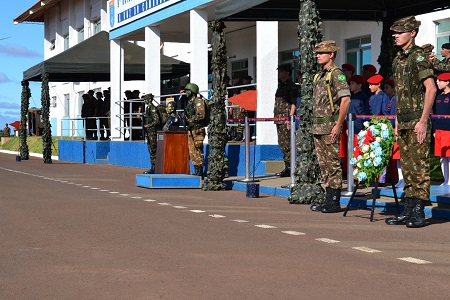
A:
[375,79]
[285,67]
[444,77]
[358,79]
[348,67]
[390,82]
[446,46]
[370,68]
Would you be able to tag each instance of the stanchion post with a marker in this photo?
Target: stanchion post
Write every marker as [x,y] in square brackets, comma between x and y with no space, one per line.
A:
[247,152]
[293,151]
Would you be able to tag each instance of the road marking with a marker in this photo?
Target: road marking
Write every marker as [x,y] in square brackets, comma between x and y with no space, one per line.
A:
[104,190]
[79,184]
[70,183]
[329,241]
[265,226]
[240,221]
[149,200]
[124,195]
[197,211]
[136,197]
[294,232]
[164,204]
[94,188]
[113,192]
[86,186]
[365,249]
[180,207]
[63,181]
[217,216]
[415,260]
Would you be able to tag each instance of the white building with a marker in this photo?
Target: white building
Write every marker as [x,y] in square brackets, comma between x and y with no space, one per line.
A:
[254,47]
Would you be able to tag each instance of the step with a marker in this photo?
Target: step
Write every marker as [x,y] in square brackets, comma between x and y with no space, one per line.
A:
[274,166]
[168,181]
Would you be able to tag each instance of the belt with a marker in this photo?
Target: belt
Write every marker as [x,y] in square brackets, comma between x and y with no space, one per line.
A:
[409,117]
[322,120]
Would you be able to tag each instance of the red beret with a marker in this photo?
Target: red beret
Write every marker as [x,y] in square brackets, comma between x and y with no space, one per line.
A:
[375,79]
[370,68]
[390,82]
[444,77]
[348,67]
[358,79]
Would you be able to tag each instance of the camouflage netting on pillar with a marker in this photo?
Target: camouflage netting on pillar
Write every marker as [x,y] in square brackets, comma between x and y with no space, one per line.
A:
[387,50]
[47,127]
[217,135]
[23,133]
[307,188]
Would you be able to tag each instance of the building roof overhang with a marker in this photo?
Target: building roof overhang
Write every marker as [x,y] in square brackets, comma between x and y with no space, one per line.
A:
[36,12]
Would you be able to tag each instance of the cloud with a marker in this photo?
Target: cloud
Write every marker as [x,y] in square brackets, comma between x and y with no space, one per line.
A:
[9,105]
[18,51]
[4,78]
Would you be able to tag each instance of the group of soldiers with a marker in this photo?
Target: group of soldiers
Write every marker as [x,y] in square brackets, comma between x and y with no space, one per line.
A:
[94,108]
[193,120]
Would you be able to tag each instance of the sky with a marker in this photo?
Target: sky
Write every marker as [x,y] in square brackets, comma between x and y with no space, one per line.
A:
[21,47]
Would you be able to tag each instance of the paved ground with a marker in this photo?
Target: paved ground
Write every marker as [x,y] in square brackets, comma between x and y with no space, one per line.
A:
[72,231]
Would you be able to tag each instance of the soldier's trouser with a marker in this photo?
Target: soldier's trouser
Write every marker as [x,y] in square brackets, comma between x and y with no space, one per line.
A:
[238,114]
[415,161]
[151,144]
[329,160]
[284,141]
[195,145]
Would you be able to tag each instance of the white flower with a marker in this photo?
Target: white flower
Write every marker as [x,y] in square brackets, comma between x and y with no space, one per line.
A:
[365,148]
[355,171]
[358,165]
[384,126]
[366,124]
[378,139]
[372,155]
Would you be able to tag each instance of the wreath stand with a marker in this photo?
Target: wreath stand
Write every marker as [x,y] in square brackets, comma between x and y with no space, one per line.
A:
[375,195]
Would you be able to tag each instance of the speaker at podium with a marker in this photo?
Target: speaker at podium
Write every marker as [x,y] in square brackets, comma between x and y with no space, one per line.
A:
[172,153]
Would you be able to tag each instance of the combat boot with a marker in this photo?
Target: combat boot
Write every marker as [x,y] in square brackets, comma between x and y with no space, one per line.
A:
[239,137]
[198,171]
[334,205]
[151,170]
[286,172]
[418,215]
[318,206]
[404,216]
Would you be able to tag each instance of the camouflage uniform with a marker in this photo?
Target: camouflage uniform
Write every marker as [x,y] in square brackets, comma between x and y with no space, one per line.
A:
[152,123]
[441,66]
[285,97]
[196,113]
[6,131]
[411,68]
[323,122]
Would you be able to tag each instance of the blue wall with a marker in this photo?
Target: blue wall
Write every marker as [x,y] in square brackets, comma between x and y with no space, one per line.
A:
[135,154]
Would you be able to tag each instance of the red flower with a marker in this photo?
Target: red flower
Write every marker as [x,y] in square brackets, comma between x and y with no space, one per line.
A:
[357,152]
[368,138]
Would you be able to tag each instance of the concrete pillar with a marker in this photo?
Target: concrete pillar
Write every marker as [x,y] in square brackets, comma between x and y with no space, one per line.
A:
[152,61]
[199,49]
[117,79]
[267,74]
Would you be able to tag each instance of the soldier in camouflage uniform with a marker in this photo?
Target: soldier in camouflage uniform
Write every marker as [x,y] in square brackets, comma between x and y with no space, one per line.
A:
[152,123]
[196,118]
[416,89]
[328,117]
[444,65]
[285,101]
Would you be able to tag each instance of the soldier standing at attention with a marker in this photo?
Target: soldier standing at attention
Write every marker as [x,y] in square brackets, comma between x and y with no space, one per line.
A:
[6,131]
[285,101]
[416,89]
[331,96]
[152,123]
[444,65]
[196,118]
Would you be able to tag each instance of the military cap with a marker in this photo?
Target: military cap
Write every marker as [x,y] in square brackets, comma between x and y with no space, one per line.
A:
[248,77]
[427,48]
[348,67]
[405,24]
[375,79]
[390,82]
[285,67]
[326,47]
[446,46]
[444,77]
[358,79]
[370,68]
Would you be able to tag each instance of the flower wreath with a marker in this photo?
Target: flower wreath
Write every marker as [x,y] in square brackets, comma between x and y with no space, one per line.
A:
[371,155]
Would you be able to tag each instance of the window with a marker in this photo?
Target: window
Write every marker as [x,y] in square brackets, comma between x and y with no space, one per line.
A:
[53,102]
[239,68]
[442,35]
[80,34]
[66,41]
[358,52]
[291,57]
[66,105]
[97,26]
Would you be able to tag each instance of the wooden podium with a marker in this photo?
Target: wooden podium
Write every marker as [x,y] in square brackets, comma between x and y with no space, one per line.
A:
[172,153]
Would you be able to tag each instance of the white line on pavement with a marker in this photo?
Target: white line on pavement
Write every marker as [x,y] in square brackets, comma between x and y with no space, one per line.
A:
[124,195]
[104,190]
[415,260]
[136,197]
[217,216]
[180,207]
[197,211]
[365,249]
[113,192]
[265,226]
[329,241]
[86,186]
[94,188]
[164,204]
[293,232]
[149,200]
[240,221]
